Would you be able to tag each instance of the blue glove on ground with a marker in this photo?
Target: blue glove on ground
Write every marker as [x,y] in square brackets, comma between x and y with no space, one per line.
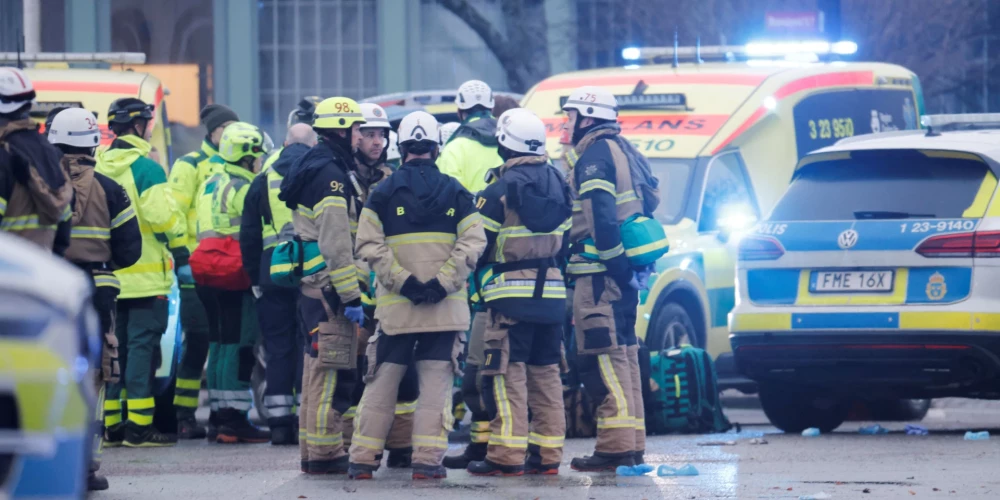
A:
[184,275]
[355,314]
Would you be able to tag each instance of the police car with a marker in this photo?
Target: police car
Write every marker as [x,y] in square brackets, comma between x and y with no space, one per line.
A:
[876,275]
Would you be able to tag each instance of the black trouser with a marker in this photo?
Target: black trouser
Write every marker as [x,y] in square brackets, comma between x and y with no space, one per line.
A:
[276,312]
[232,333]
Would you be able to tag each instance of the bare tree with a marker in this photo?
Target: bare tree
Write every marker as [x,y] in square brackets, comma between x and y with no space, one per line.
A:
[518,41]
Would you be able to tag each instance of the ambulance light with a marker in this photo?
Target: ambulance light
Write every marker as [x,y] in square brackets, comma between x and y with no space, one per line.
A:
[631,53]
[759,49]
[954,121]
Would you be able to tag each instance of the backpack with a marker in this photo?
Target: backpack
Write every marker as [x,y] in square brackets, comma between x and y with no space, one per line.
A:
[294,259]
[218,263]
[684,393]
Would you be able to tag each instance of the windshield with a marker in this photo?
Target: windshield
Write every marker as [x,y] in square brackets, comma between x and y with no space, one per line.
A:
[883,185]
[674,176]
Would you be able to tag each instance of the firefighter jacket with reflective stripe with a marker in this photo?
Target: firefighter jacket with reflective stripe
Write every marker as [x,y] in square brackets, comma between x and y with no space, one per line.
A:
[266,219]
[105,231]
[35,192]
[604,198]
[220,201]
[326,211]
[186,176]
[468,156]
[518,292]
[421,223]
[161,222]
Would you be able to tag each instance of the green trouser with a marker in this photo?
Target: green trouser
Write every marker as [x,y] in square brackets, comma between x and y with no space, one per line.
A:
[139,326]
[232,334]
[193,354]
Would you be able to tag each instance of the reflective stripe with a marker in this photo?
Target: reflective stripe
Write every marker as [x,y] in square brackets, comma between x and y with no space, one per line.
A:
[112,418]
[391,299]
[585,268]
[67,214]
[3,206]
[279,411]
[186,401]
[611,252]
[414,238]
[467,222]
[141,404]
[270,241]
[372,217]
[615,423]
[22,223]
[439,442]
[325,439]
[613,385]
[546,441]
[188,383]
[508,441]
[503,406]
[640,424]
[98,233]
[372,443]
[490,224]
[339,115]
[277,401]
[627,196]
[139,418]
[235,221]
[350,413]
[597,184]
[107,280]
[648,247]
[551,290]
[112,405]
[236,405]
[326,399]
[407,407]
[215,234]
[123,217]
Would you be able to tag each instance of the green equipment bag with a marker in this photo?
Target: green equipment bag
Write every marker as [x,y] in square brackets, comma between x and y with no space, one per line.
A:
[684,393]
[294,259]
[643,238]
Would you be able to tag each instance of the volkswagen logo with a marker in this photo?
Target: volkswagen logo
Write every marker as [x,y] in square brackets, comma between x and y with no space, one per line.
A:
[847,239]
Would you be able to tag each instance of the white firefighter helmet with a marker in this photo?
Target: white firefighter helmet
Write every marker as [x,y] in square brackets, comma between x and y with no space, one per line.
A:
[474,93]
[521,131]
[375,116]
[75,127]
[593,102]
[392,153]
[447,130]
[419,126]
[16,90]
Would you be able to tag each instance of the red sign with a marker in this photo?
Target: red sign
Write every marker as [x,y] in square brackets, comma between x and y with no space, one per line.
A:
[703,125]
[794,22]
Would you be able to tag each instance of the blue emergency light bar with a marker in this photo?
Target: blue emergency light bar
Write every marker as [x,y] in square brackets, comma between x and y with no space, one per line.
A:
[761,49]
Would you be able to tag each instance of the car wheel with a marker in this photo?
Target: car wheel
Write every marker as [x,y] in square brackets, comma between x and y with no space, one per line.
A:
[671,327]
[899,410]
[794,410]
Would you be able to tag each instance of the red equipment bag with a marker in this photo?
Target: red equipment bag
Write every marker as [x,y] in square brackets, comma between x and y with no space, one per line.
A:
[218,263]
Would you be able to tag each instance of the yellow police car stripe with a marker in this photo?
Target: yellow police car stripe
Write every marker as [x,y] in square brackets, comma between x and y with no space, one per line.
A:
[983,197]
[752,322]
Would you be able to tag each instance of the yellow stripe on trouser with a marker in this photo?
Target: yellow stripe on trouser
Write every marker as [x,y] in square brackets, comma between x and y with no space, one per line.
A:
[546,441]
[370,443]
[480,432]
[350,413]
[503,405]
[611,381]
[325,439]
[112,412]
[406,407]
[325,405]
[136,405]
[439,442]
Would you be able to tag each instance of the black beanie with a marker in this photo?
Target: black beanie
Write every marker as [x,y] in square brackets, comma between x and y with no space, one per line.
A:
[214,115]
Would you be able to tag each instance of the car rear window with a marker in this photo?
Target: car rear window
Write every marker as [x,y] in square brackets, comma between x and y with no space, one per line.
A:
[882,184]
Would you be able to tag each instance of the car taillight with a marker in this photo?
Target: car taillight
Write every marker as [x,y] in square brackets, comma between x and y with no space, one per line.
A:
[760,248]
[978,244]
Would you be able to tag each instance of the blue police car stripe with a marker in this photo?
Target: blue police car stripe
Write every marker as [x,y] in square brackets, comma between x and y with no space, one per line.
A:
[845,321]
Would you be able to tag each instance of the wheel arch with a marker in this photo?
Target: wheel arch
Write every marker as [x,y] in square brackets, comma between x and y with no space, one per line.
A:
[683,288]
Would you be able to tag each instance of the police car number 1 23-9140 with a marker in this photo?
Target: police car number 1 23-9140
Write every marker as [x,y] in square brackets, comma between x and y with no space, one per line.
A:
[851,281]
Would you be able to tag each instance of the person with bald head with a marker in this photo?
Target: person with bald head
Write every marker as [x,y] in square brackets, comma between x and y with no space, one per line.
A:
[267,221]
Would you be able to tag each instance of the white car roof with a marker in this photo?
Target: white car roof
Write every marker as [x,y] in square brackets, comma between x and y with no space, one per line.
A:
[27,269]
[984,143]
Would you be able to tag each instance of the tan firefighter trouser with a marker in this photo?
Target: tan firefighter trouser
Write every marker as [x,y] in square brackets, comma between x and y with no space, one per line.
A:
[400,434]
[480,426]
[636,408]
[436,356]
[521,372]
[605,333]
[323,424]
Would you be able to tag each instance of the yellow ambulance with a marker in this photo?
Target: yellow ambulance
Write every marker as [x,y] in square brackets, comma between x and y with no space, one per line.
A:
[724,139]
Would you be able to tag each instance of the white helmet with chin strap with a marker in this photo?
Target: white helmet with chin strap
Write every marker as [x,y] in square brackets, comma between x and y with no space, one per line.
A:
[593,102]
[419,126]
[75,127]
[474,93]
[521,131]
[16,90]
[375,116]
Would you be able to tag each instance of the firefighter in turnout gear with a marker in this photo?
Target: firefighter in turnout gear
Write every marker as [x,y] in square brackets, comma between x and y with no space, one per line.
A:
[222,283]
[142,304]
[372,169]
[472,150]
[325,208]
[105,237]
[35,192]
[266,222]
[606,295]
[188,173]
[422,235]
[526,213]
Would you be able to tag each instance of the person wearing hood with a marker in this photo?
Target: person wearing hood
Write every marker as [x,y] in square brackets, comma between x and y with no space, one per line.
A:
[35,192]
[472,149]
[325,203]
[372,168]
[266,222]
[526,213]
[606,295]
[105,237]
[422,235]
[142,304]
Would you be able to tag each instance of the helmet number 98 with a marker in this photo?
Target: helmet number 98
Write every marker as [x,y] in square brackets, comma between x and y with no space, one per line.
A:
[342,107]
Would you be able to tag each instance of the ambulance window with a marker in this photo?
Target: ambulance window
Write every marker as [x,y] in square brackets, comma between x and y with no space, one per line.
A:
[727,194]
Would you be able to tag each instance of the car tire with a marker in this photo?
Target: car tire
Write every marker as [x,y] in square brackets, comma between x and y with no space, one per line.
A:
[795,410]
[899,410]
[671,327]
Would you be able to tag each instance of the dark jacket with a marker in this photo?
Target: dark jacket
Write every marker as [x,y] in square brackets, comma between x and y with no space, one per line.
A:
[257,212]
[526,214]
[421,223]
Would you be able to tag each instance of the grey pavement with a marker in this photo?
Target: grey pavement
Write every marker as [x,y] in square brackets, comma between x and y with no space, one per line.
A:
[842,465]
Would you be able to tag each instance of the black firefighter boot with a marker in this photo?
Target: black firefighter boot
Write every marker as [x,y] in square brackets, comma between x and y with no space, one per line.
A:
[601,462]
[213,426]
[96,482]
[235,427]
[474,452]
[188,428]
[489,468]
[400,458]
[533,464]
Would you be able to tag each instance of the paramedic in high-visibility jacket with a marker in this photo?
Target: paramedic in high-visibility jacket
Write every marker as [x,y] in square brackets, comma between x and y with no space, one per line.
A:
[325,206]
[422,235]
[606,295]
